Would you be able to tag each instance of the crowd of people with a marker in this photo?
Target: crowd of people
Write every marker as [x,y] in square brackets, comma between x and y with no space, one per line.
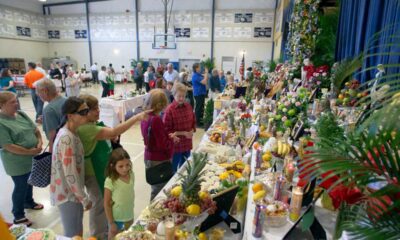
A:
[90,170]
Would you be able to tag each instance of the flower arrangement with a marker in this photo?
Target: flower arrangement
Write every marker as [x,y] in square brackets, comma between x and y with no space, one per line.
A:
[290,108]
[245,120]
[303,29]
[320,78]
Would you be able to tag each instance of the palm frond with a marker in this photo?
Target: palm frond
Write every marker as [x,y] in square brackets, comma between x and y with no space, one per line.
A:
[344,70]
[363,223]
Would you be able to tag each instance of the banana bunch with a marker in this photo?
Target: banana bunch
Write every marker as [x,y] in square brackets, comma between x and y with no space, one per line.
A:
[237,165]
[283,148]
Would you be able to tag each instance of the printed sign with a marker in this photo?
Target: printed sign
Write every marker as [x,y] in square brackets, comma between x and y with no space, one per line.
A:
[53,34]
[243,17]
[182,32]
[23,31]
[80,34]
[262,32]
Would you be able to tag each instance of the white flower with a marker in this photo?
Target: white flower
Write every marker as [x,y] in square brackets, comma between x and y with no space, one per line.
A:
[324,74]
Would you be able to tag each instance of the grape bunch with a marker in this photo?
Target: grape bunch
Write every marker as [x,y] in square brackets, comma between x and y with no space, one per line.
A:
[174,205]
[242,106]
[209,204]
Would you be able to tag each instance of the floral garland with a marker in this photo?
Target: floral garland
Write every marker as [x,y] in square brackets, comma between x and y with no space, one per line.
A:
[303,30]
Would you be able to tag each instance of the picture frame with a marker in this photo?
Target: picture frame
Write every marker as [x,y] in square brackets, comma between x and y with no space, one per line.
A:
[297,130]
[313,95]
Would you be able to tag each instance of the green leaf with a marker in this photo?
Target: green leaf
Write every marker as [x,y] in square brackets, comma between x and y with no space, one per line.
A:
[307,220]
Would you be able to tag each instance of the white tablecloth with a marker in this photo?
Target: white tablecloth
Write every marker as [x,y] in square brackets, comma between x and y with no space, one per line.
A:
[112,111]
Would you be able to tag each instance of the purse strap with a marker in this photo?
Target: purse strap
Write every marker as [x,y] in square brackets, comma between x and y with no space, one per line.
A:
[149,132]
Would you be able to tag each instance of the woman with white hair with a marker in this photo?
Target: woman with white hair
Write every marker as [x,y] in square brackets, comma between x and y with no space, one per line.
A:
[72,84]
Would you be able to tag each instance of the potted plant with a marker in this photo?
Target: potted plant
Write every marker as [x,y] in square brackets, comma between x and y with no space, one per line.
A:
[208,114]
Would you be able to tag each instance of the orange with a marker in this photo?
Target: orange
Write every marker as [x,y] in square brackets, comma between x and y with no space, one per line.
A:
[257,187]
[256,145]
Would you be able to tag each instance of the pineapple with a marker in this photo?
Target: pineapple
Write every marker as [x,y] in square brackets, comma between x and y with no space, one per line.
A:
[192,179]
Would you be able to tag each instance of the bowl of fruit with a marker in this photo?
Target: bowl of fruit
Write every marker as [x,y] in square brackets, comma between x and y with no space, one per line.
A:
[276,214]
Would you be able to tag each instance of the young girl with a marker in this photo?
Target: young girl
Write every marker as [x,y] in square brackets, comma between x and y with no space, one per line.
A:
[110,80]
[119,194]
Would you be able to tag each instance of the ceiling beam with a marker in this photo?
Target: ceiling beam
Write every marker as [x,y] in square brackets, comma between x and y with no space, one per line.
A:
[70,3]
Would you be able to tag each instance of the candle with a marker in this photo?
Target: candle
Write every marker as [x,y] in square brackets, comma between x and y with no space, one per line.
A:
[295,203]
[289,171]
[169,230]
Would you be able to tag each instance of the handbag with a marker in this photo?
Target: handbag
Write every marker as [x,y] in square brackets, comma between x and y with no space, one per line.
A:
[41,170]
[152,83]
[160,173]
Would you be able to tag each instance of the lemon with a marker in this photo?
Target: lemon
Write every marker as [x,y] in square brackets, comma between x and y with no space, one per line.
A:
[193,209]
[176,191]
[267,157]
[257,187]
[203,195]
[202,236]
[224,175]
[259,195]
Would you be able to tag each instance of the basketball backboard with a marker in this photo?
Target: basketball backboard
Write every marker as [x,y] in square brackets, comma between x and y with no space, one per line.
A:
[164,41]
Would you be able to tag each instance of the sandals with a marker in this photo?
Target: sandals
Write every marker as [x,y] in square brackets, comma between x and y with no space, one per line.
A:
[23,221]
[36,206]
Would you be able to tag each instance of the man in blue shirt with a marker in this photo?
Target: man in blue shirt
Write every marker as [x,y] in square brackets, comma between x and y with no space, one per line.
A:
[222,80]
[199,92]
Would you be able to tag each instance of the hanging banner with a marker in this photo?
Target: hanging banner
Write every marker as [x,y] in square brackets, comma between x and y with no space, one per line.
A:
[243,17]
[262,32]
[23,31]
[182,32]
[53,34]
[80,34]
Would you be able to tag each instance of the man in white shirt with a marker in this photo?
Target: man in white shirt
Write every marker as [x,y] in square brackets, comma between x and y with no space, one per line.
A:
[95,73]
[39,68]
[103,80]
[171,75]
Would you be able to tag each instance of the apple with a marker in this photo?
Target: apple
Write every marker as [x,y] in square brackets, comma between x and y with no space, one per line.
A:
[288,123]
[292,112]
[352,92]
[341,96]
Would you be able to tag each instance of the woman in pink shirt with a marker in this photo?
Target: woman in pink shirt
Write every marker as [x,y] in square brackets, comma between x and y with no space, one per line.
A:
[68,169]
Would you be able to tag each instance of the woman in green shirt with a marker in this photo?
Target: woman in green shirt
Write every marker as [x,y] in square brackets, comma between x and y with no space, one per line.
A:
[95,137]
[20,141]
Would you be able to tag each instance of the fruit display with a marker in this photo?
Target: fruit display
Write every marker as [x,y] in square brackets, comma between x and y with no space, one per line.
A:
[135,235]
[276,214]
[282,148]
[216,137]
[350,95]
[39,234]
[17,230]
[187,199]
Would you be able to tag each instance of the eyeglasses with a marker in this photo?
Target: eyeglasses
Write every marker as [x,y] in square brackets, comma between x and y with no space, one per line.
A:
[83,112]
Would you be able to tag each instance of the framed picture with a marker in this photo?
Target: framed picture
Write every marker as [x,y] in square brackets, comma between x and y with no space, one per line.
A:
[23,31]
[297,130]
[262,32]
[243,17]
[313,95]
[297,84]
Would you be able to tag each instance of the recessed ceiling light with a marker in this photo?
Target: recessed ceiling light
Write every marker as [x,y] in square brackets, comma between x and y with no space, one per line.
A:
[42,0]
